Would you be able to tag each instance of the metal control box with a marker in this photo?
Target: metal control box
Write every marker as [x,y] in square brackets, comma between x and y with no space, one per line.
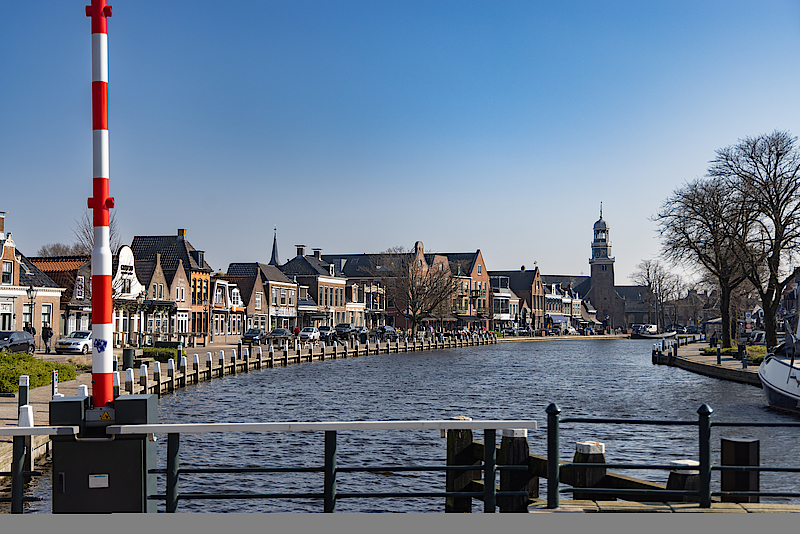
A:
[94,472]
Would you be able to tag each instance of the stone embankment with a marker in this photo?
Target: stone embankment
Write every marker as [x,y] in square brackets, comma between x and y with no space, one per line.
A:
[691,358]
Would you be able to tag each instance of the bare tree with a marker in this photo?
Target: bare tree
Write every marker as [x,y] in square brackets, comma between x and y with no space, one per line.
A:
[699,224]
[56,249]
[765,173]
[415,288]
[83,233]
[662,285]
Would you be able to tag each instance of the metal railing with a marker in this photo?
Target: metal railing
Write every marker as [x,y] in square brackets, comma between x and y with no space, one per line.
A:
[703,424]
[17,474]
[329,468]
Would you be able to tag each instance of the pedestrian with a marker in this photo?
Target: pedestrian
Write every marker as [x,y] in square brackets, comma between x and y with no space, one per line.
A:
[27,328]
[47,334]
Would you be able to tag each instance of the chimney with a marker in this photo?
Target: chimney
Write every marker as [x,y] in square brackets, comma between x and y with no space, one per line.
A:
[317,253]
[2,224]
[301,250]
[181,233]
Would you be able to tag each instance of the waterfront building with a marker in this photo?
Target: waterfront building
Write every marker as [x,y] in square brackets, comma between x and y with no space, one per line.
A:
[176,250]
[27,295]
[361,271]
[326,285]
[527,285]
[469,271]
[228,312]
[72,273]
[270,297]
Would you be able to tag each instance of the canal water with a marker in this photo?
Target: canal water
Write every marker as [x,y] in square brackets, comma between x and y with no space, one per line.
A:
[584,377]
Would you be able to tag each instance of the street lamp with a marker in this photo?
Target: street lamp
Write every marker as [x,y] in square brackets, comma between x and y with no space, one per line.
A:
[140,298]
[31,296]
[208,321]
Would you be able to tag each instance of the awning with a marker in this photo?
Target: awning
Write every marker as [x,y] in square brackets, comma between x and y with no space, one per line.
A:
[317,317]
[470,318]
[558,318]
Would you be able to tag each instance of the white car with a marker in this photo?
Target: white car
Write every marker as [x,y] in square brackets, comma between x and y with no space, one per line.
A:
[79,342]
[309,333]
[571,331]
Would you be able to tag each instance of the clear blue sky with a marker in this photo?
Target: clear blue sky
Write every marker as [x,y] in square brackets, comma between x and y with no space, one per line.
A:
[356,126]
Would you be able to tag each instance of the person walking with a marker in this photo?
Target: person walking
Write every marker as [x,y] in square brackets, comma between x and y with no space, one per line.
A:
[47,334]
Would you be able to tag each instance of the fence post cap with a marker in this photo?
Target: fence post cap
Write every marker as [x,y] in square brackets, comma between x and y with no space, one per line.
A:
[553,409]
[515,432]
[590,447]
[83,391]
[115,379]
[170,364]
[183,361]
[25,416]
[129,375]
[208,356]
[157,368]
[196,359]
[705,409]
[24,381]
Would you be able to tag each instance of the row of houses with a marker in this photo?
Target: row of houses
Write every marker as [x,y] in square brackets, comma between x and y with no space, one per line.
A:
[164,289]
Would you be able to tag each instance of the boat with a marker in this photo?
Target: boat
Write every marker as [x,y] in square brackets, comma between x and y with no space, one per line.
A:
[780,375]
[650,331]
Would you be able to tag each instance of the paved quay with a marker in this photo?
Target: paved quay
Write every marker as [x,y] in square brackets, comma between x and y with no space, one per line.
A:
[690,358]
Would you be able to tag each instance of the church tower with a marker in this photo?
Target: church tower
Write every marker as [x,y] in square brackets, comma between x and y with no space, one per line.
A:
[603,295]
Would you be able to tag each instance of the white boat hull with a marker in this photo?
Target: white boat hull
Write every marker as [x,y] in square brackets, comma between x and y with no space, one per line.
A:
[780,384]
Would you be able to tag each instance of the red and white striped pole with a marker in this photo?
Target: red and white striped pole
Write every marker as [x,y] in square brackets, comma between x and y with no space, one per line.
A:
[100,203]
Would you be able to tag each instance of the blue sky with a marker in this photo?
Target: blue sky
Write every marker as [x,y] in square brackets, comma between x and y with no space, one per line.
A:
[357,126]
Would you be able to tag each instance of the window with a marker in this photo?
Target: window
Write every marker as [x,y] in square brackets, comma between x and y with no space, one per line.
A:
[275,296]
[258,301]
[47,312]
[183,294]
[27,316]
[291,297]
[283,297]
[79,288]
[126,285]
[8,272]
[160,291]
[479,269]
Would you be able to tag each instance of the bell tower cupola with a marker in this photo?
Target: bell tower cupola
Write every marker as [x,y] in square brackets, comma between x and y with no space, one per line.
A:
[601,245]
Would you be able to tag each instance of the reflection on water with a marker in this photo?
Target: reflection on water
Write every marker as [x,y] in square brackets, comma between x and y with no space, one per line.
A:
[593,378]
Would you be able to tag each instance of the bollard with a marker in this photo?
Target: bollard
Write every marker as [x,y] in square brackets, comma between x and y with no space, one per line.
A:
[171,374]
[183,371]
[246,358]
[589,452]
[743,355]
[233,361]
[83,391]
[157,377]
[719,354]
[272,355]
[196,368]
[239,347]
[115,383]
[260,357]
[682,478]
[208,364]
[514,451]
[24,390]
[143,378]
[739,452]
[459,452]
[54,383]
[129,380]
[221,363]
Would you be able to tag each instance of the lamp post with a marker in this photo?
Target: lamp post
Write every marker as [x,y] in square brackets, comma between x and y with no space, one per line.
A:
[31,296]
[140,298]
[207,321]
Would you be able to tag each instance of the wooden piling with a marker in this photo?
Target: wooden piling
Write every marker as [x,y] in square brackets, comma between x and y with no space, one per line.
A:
[459,452]
[514,451]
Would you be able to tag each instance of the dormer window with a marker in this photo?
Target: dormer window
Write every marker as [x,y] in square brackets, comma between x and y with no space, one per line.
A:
[331,269]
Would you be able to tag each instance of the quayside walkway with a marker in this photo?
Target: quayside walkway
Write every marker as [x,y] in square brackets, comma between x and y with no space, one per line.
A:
[691,358]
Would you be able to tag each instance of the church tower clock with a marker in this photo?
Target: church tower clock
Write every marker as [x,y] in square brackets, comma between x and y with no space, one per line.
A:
[603,295]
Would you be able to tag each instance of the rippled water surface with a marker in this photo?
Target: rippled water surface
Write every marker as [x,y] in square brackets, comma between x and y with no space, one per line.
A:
[584,377]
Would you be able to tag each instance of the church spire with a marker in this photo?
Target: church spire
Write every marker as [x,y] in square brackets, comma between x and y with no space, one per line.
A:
[601,209]
[274,260]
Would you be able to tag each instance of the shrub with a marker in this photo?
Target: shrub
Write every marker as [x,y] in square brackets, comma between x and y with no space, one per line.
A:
[161,354]
[12,366]
[712,351]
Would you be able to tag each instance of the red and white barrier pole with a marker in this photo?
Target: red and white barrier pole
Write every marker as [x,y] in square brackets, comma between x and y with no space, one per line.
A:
[100,203]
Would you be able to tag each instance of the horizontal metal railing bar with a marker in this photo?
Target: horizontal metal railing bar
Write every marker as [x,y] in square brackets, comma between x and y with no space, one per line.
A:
[38,430]
[632,490]
[201,496]
[434,494]
[717,423]
[662,422]
[753,494]
[24,499]
[633,466]
[199,428]
[223,470]
[755,468]
[24,473]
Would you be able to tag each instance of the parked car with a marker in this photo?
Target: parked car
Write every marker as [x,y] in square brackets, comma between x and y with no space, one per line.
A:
[691,329]
[571,331]
[79,341]
[279,336]
[326,333]
[525,331]
[758,337]
[343,330]
[386,333]
[254,335]
[553,331]
[510,331]
[309,333]
[17,341]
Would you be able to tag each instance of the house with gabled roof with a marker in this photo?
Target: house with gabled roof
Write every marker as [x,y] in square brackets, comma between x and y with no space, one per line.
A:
[472,282]
[176,251]
[270,297]
[326,286]
[528,286]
